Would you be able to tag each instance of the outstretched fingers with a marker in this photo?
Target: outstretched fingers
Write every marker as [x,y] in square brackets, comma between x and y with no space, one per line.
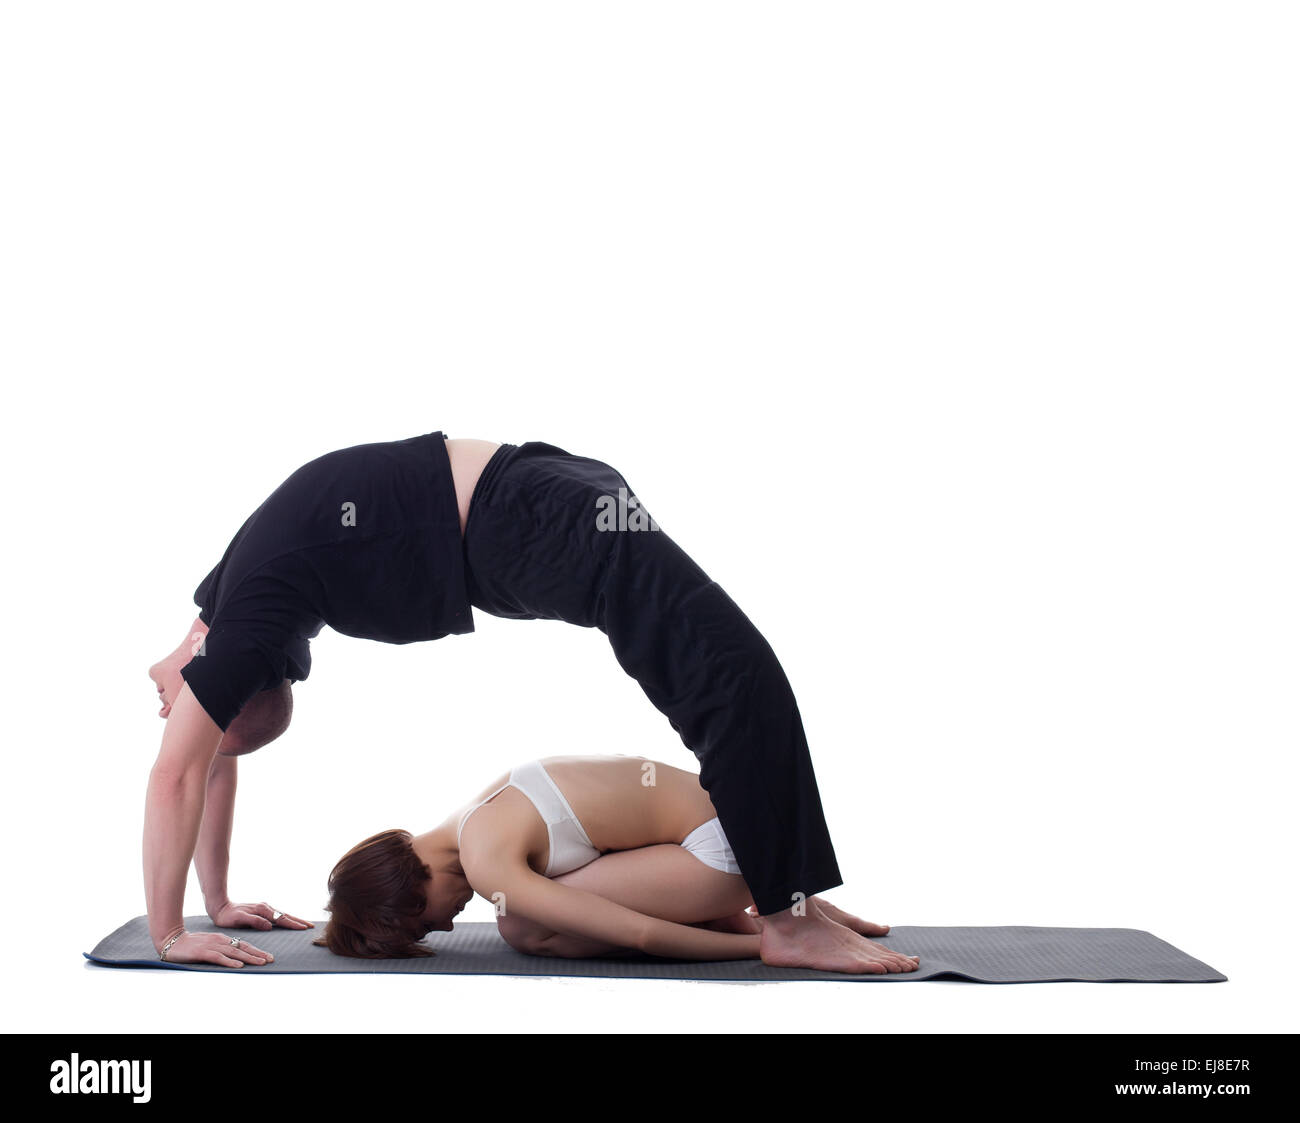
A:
[216,948]
[268,917]
[246,953]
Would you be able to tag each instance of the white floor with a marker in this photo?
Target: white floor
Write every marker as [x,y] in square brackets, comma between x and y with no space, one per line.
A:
[957,344]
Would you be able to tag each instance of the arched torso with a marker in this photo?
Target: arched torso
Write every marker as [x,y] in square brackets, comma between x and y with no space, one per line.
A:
[622,802]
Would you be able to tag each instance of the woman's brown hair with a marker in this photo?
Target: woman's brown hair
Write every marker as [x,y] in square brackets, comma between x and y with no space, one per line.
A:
[376,900]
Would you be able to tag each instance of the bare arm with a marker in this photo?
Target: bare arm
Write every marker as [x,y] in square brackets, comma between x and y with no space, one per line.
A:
[172,816]
[174,810]
[212,854]
[212,857]
[579,913]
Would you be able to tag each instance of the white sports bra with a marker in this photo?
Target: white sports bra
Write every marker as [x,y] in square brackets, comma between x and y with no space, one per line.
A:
[570,846]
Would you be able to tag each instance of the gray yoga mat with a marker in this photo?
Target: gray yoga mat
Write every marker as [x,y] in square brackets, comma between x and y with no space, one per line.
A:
[982,955]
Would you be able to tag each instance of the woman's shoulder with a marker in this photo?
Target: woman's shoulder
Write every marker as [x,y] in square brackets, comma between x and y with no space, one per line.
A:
[500,829]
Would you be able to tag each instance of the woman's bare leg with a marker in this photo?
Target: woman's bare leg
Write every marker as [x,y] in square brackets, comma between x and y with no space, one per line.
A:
[662,881]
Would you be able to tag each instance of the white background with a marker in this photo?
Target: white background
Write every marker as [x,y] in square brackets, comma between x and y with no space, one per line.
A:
[956,341]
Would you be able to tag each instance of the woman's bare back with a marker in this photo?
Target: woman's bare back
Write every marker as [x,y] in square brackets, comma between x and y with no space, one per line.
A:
[622,802]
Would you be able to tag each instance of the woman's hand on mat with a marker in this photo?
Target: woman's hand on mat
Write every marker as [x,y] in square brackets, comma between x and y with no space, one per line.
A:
[261,916]
[213,947]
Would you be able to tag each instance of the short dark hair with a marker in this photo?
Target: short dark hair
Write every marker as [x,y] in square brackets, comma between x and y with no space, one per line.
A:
[264,717]
[376,900]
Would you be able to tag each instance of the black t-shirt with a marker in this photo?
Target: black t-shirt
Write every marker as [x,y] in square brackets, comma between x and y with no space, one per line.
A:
[366,540]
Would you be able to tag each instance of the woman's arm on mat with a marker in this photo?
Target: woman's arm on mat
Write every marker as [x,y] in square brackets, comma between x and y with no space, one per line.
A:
[212,856]
[527,894]
[173,812]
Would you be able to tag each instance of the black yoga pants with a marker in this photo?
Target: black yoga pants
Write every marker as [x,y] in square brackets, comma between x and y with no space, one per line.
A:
[542,541]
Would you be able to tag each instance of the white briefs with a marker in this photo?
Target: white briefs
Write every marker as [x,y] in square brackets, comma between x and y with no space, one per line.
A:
[710,845]
[570,846]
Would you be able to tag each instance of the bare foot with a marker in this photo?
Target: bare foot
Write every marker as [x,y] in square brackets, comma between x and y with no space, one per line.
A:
[856,924]
[817,942]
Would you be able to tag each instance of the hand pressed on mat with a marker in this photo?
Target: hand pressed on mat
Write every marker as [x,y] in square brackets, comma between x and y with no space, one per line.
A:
[261,916]
[213,947]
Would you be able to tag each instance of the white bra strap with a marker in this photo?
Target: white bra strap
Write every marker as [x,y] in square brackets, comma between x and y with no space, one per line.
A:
[470,811]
